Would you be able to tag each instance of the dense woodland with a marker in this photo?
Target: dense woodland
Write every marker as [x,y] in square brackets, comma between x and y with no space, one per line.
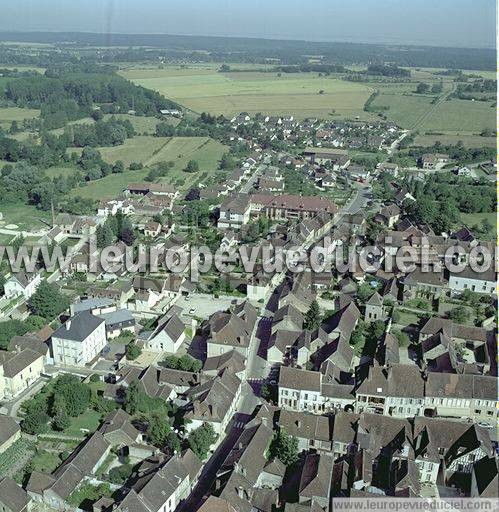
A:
[220,49]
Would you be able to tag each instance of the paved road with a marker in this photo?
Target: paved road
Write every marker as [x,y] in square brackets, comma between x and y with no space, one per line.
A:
[359,201]
[252,181]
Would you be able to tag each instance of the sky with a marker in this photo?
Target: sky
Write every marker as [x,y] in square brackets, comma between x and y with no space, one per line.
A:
[461,23]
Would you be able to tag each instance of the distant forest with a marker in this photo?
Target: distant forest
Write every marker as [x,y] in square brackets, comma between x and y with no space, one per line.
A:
[253,50]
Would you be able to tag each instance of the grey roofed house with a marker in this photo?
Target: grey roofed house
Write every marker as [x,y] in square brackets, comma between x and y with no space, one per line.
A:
[8,428]
[215,504]
[172,324]
[13,498]
[287,318]
[15,362]
[78,327]
[292,378]
[339,352]
[32,342]
[212,400]
[375,300]
[307,426]
[387,351]
[117,428]
[90,304]
[242,467]
[343,321]
[439,439]
[232,360]
[118,319]
[345,425]
[87,455]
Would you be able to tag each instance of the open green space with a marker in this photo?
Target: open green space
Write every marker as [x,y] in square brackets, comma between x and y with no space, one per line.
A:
[150,150]
[454,115]
[9,114]
[300,94]
[26,217]
[470,141]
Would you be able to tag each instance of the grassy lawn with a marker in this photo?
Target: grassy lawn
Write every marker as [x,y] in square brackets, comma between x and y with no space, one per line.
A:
[89,420]
[407,318]
[207,152]
[45,461]
[60,172]
[26,217]
[142,124]
[474,219]
[206,90]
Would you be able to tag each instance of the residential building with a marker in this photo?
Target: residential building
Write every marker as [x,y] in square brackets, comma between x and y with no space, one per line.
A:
[79,340]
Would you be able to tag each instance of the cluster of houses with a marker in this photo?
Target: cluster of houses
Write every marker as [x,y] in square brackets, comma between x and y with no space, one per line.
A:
[354,134]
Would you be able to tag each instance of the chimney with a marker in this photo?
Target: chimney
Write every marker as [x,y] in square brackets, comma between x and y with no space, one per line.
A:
[68,325]
[240,492]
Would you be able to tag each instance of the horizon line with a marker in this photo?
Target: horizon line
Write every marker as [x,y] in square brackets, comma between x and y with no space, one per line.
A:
[267,38]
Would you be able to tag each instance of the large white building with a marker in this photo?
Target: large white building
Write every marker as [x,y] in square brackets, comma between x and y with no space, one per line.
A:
[478,282]
[79,340]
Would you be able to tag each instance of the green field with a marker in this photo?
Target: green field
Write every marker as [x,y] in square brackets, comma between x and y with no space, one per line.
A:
[454,115]
[26,217]
[150,150]
[404,109]
[206,90]
[57,172]
[476,219]
[471,141]
[7,115]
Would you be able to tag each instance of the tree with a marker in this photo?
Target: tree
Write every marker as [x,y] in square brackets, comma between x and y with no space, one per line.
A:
[104,236]
[76,394]
[132,351]
[422,88]
[364,291]
[9,329]
[201,439]
[47,301]
[118,167]
[192,166]
[35,422]
[402,338]
[459,314]
[313,316]
[285,448]
[61,421]
[132,397]
[158,430]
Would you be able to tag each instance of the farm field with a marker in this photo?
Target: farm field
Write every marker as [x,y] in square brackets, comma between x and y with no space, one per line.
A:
[404,109]
[207,152]
[455,114]
[468,140]
[205,90]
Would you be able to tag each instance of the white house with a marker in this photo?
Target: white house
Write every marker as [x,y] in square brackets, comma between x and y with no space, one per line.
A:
[468,279]
[168,335]
[79,340]
[22,283]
